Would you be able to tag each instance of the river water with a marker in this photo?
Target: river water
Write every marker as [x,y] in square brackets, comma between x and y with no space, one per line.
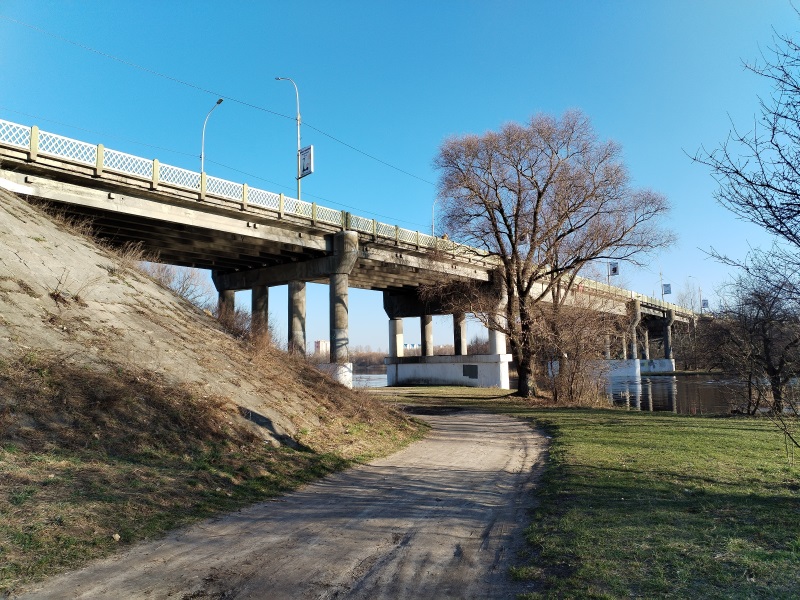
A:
[681,394]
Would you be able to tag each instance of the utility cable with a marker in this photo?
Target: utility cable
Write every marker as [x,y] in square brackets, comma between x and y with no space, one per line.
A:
[207,91]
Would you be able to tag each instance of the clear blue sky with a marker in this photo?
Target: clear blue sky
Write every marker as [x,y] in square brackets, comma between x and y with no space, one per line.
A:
[393,80]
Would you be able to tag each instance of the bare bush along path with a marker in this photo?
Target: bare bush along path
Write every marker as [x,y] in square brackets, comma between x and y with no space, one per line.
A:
[439,519]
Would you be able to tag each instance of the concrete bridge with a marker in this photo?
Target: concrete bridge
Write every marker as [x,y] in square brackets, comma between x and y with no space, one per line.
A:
[254,239]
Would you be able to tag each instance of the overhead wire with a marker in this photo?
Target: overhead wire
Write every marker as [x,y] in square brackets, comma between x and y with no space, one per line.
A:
[207,91]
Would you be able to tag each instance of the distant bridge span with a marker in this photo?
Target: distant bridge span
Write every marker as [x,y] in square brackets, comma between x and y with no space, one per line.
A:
[254,239]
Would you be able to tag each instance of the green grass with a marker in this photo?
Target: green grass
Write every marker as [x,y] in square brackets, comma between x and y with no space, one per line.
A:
[655,505]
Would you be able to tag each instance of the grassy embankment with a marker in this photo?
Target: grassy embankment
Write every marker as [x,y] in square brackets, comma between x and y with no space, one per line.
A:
[92,459]
[655,505]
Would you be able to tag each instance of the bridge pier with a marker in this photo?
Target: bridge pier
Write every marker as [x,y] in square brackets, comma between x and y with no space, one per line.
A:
[296,332]
[668,334]
[488,370]
[426,334]
[645,344]
[345,253]
[460,334]
[636,354]
[395,338]
[226,305]
[259,310]
[635,314]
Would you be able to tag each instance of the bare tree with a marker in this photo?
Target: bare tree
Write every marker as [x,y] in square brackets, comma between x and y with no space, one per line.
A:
[573,331]
[757,330]
[546,198]
[759,170]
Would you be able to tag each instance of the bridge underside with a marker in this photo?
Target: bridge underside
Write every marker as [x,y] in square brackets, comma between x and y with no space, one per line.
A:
[207,235]
[247,247]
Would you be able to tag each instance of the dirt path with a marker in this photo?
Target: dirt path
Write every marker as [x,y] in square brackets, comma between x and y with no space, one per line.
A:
[432,521]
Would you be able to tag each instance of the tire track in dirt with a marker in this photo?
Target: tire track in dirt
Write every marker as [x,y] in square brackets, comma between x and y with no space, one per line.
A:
[440,519]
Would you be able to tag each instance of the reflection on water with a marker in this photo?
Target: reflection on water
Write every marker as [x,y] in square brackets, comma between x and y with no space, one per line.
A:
[369,380]
[682,394]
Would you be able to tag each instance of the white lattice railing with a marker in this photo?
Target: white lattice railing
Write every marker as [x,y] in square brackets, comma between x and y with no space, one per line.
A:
[407,236]
[264,198]
[179,177]
[58,145]
[37,142]
[224,188]
[127,163]
[385,231]
[304,209]
[329,215]
[15,135]
[360,224]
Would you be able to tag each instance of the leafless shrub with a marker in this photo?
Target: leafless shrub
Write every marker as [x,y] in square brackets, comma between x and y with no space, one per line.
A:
[190,284]
[478,345]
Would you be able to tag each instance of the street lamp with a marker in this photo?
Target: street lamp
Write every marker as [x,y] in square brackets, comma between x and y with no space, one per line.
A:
[433,218]
[297,98]
[203,141]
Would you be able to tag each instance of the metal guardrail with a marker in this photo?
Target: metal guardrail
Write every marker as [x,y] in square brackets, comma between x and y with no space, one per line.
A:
[34,142]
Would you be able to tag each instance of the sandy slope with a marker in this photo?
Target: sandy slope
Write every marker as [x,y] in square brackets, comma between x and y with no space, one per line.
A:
[436,520]
[61,294]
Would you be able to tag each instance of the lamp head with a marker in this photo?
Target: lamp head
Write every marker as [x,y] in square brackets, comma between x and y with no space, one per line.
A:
[219,101]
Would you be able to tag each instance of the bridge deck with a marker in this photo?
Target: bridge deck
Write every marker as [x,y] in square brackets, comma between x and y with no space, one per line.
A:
[189,219]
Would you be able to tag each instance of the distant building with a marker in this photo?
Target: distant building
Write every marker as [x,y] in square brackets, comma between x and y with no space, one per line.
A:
[322,347]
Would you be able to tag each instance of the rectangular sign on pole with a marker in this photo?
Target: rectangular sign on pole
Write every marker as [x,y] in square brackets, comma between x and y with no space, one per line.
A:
[613,269]
[306,161]
[666,288]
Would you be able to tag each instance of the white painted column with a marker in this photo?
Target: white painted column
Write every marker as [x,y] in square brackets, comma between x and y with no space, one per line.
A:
[395,338]
[497,339]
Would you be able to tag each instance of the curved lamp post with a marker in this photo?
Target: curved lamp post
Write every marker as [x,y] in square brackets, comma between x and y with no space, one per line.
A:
[297,98]
[203,141]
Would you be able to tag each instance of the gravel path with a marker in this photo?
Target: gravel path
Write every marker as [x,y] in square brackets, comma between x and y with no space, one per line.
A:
[440,519]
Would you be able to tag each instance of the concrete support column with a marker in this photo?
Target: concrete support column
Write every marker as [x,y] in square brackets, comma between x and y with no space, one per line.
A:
[670,319]
[297,318]
[227,304]
[426,334]
[635,314]
[259,310]
[395,338]
[624,346]
[645,344]
[497,339]
[460,334]
[340,340]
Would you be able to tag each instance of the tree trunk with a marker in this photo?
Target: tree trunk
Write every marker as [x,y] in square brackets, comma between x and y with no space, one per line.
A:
[777,393]
[526,387]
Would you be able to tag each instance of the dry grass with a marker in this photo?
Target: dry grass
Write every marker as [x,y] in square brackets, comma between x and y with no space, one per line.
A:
[93,458]
[108,431]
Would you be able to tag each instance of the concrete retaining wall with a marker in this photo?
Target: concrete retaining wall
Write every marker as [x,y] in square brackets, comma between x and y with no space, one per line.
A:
[483,370]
